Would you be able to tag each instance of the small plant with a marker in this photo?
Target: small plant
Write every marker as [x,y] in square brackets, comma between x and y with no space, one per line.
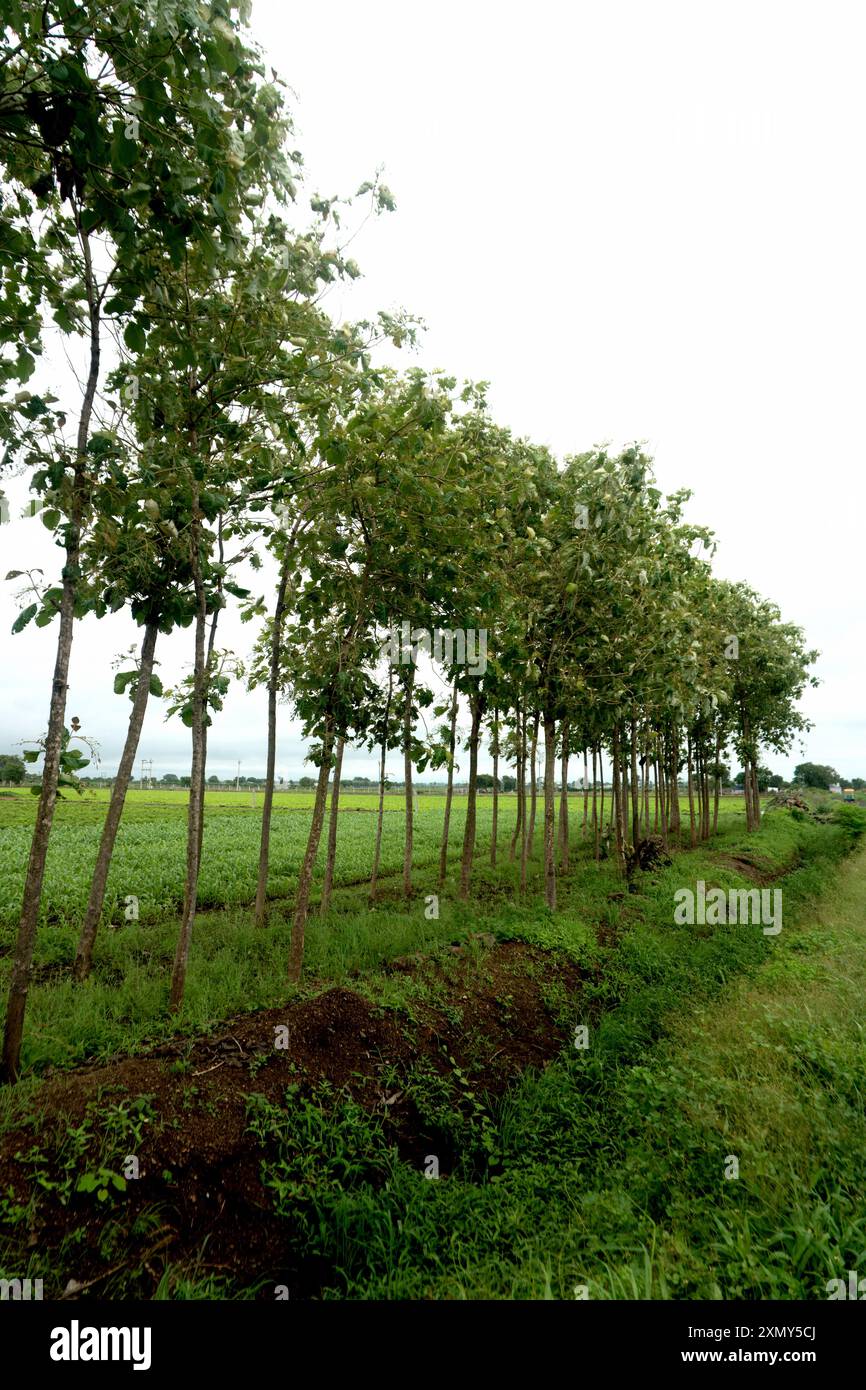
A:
[101,1181]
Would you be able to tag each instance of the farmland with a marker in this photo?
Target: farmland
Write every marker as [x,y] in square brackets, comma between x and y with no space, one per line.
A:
[566,1004]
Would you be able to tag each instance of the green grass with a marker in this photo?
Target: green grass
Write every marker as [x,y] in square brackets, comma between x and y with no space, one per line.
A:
[603,1175]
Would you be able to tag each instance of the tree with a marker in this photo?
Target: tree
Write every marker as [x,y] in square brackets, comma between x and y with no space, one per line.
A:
[815,775]
[133,119]
[11,768]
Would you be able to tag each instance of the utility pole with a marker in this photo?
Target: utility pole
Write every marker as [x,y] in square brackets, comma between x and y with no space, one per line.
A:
[238,778]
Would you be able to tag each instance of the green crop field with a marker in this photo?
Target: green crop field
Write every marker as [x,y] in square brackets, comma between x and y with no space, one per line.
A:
[148,862]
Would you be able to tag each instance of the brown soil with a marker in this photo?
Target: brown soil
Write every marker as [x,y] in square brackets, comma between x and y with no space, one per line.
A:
[489,1016]
[755,873]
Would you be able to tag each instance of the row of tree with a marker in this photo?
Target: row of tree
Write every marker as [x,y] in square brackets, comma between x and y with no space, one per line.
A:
[569,607]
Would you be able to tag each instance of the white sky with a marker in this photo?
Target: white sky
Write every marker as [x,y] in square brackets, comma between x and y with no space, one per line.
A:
[637,221]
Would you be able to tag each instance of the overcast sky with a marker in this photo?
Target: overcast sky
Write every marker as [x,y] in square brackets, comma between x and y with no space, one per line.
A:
[637,221]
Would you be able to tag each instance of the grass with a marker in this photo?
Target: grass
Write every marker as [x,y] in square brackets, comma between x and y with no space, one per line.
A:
[233,966]
[713,1051]
[606,1176]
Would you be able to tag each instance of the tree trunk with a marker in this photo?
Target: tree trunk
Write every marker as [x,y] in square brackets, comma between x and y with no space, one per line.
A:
[196,781]
[533,782]
[635,790]
[495,829]
[674,817]
[717,786]
[407,781]
[477,704]
[623,790]
[84,952]
[563,799]
[705,796]
[19,981]
[449,792]
[261,910]
[595,817]
[305,878]
[550,811]
[692,837]
[524,820]
[585,794]
[616,801]
[377,852]
[521,788]
[328,883]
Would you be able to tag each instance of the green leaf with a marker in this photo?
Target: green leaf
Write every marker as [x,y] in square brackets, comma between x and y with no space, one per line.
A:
[24,617]
[134,337]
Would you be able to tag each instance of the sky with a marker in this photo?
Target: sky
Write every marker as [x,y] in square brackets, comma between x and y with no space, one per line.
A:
[636,222]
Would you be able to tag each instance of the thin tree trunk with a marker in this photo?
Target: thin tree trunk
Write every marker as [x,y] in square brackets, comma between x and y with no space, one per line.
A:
[692,838]
[19,981]
[495,830]
[328,882]
[623,790]
[84,952]
[261,910]
[718,785]
[585,794]
[705,794]
[550,811]
[674,817]
[377,852]
[595,817]
[521,789]
[533,782]
[563,799]
[524,824]
[195,805]
[449,792]
[616,800]
[477,704]
[407,781]
[305,878]
[655,788]
[635,790]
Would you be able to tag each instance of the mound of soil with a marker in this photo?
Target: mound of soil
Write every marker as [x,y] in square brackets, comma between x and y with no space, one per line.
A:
[199,1166]
[755,873]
